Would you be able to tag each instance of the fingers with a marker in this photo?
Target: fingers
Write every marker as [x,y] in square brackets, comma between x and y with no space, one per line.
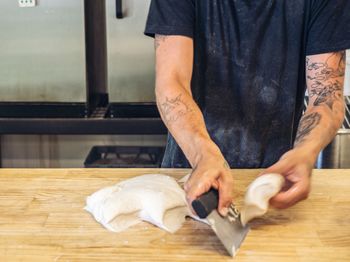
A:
[297,192]
[225,196]
[297,186]
[197,185]
[200,183]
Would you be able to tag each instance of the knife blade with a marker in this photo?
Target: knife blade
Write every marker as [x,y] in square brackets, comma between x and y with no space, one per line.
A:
[228,229]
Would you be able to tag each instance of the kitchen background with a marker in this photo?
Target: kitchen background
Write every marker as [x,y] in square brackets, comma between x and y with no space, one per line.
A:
[75,60]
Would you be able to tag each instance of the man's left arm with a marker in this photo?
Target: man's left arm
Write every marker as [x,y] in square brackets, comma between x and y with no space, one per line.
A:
[318,126]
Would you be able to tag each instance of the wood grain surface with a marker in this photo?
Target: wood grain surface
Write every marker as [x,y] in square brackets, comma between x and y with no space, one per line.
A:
[42,219]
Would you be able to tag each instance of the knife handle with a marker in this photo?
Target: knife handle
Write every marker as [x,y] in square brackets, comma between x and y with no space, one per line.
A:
[206,203]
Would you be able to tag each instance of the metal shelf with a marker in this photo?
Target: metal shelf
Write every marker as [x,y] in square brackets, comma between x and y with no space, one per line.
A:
[115,119]
[82,126]
[135,119]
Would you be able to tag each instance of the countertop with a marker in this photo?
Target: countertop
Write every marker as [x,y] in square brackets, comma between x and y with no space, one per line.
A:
[42,219]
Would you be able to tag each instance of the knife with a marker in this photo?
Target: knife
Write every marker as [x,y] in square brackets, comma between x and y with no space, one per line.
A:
[228,229]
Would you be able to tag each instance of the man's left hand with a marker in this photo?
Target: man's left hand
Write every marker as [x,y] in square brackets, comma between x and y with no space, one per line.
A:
[296,166]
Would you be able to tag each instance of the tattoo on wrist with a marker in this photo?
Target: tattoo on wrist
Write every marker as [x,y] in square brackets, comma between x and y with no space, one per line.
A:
[158,39]
[174,108]
[306,125]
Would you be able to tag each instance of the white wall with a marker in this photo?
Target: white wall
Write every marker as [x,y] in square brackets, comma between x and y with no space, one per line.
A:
[62,151]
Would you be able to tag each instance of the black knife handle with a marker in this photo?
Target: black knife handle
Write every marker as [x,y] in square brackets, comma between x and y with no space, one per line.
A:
[206,203]
[119,9]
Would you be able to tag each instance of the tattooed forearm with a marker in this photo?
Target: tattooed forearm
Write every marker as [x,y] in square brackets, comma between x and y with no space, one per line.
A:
[158,39]
[174,108]
[326,93]
[306,125]
[325,78]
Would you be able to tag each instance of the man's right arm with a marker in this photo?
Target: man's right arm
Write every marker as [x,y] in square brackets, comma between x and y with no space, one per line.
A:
[184,120]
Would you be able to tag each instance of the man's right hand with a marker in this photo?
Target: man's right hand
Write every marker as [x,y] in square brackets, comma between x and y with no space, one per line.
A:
[211,171]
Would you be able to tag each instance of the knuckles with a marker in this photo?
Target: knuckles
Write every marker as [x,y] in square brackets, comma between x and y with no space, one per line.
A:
[202,179]
[305,194]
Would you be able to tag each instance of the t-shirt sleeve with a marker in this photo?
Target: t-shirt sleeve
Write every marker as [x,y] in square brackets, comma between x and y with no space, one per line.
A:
[171,17]
[328,26]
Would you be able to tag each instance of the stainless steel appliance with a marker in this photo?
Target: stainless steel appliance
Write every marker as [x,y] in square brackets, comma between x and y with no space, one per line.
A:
[42,51]
[130,54]
[337,153]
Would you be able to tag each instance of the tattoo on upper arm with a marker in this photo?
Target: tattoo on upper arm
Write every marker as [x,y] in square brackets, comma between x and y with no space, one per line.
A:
[174,108]
[325,80]
[321,71]
[306,125]
[158,39]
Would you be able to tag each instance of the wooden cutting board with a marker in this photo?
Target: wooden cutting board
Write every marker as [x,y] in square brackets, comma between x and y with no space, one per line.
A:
[42,219]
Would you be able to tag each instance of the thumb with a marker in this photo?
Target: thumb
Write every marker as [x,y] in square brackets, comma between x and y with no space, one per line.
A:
[280,167]
[195,187]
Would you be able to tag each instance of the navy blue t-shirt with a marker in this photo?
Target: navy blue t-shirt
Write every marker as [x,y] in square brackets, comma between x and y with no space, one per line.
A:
[249,67]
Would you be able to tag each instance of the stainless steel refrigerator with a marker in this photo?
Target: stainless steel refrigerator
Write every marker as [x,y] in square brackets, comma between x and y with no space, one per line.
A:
[130,54]
[42,51]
